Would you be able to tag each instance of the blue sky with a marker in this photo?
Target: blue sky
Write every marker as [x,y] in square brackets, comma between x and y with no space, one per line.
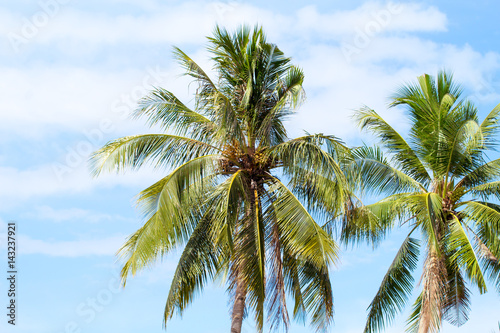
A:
[70,73]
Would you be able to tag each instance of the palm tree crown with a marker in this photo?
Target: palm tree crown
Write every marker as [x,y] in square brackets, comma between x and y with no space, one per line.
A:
[224,201]
[438,181]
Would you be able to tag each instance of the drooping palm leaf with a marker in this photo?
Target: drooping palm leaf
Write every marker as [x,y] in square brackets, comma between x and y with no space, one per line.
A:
[395,288]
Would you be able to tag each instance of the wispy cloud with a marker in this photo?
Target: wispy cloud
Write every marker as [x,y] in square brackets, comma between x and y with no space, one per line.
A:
[19,185]
[75,248]
[79,215]
[183,22]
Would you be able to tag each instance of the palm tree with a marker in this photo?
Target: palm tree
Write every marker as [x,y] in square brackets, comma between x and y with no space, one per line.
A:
[225,201]
[438,182]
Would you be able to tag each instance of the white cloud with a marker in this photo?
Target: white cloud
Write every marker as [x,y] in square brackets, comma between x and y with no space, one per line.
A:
[339,86]
[20,185]
[181,23]
[171,23]
[71,248]
[76,248]
[75,99]
[72,214]
[391,16]
[59,215]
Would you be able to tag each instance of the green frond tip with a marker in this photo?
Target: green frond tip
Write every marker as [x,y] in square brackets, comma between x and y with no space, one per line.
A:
[395,289]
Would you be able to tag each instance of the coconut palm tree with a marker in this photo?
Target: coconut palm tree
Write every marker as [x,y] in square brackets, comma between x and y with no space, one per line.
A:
[439,182]
[240,196]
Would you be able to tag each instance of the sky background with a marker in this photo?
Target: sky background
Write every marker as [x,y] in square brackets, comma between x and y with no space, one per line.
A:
[70,74]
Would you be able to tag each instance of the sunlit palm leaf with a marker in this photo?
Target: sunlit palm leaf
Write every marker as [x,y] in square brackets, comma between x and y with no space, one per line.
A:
[394,142]
[395,288]
[131,152]
[464,255]
[162,107]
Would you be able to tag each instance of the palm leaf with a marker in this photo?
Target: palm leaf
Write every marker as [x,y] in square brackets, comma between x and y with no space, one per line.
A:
[394,142]
[199,262]
[395,287]
[377,176]
[172,208]
[300,233]
[464,255]
[159,149]
[489,128]
[457,304]
[162,107]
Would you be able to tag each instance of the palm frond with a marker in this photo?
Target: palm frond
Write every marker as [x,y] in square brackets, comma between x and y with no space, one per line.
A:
[486,217]
[465,149]
[162,107]
[429,214]
[229,199]
[143,247]
[305,161]
[372,222]
[390,139]
[463,254]
[317,293]
[199,261]
[395,287]
[487,172]
[256,267]
[172,209]
[293,284]
[275,284]
[160,150]
[212,102]
[457,299]
[486,190]
[376,175]
[300,233]
[490,127]
[289,93]
[413,319]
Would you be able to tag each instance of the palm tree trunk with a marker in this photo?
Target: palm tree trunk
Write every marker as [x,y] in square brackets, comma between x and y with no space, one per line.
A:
[238,307]
[241,292]
[432,299]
